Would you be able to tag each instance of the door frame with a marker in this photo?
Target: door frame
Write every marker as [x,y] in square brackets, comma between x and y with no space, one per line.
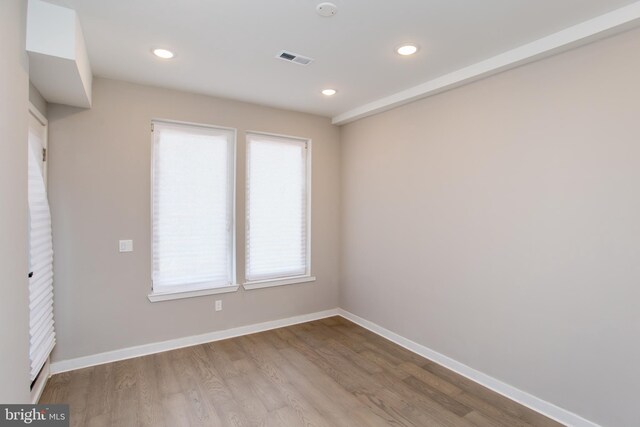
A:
[41,380]
[33,110]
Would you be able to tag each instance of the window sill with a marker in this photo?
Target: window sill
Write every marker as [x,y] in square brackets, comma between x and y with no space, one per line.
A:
[259,284]
[158,297]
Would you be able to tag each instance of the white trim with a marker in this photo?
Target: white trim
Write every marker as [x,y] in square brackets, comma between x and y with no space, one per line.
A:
[37,114]
[33,110]
[309,207]
[234,219]
[146,349]
[604,25]
[309,166]
[541,406]
[195,124]
[277,135]
[259,284]
[167,296]
[41,382]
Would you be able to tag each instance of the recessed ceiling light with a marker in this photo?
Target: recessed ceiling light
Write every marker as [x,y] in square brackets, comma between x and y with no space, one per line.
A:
[329,92]
[407,49]
[163,53]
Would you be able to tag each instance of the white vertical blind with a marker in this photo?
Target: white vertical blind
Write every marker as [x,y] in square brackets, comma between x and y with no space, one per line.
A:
[193,198]
[277,212]
[41,331]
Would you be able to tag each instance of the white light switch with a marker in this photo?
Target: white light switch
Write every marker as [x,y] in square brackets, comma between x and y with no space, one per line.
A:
[218,305]
[126,245]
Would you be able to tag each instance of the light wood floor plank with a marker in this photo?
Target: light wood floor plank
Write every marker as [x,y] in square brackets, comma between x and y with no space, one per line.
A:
[324,373]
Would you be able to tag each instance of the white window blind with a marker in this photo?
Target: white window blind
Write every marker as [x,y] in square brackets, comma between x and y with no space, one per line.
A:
[277,209]
[193,207]
[41,332]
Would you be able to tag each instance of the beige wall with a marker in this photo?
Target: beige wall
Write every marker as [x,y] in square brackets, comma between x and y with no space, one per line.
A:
[99,190]
[14,314]
[499,224]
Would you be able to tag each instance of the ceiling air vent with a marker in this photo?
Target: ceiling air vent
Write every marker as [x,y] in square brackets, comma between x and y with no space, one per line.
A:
[294,57]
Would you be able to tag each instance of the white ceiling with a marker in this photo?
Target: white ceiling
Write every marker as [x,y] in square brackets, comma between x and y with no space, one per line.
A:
[227,48]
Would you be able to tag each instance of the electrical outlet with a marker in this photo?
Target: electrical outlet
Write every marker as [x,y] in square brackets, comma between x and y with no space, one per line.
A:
[218,305]
[126,245]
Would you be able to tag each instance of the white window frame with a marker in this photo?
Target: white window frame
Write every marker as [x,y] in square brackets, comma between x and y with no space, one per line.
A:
[177,293]
[289,280]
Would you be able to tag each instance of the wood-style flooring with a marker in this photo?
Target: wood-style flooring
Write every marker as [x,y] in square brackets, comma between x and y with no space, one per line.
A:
[328,373]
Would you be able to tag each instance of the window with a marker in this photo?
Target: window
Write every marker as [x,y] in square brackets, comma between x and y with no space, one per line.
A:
[193,209]
[277,211]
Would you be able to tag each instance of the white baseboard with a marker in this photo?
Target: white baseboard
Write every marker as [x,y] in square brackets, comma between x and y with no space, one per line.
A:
[41,383]
[545,408]
[146,349]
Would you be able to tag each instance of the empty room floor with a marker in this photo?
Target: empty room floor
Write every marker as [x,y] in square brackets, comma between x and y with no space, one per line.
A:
[329,372]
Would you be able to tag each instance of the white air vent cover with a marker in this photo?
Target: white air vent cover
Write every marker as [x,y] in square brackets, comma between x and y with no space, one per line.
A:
[294,57]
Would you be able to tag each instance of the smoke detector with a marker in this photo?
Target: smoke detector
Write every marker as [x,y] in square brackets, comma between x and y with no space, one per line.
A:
[293,57]
[326,9]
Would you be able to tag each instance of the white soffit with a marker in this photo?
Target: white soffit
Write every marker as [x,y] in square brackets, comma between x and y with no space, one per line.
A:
[58,61]
[600,27]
